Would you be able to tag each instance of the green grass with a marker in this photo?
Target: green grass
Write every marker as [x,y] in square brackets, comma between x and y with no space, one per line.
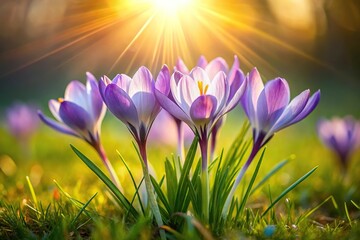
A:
[79,206]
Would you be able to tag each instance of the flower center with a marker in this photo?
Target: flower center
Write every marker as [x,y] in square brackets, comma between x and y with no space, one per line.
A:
[60,100]
[203,89]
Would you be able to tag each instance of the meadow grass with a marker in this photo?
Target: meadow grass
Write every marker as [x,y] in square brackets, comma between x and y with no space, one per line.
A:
[63,199]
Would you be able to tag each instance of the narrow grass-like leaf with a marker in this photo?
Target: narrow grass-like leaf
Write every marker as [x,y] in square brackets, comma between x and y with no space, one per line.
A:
[82,210]
[251,183]
[107,182]
[356,205]
[317,207]
[32,192]
[347,214]
[287,190]
[133,181]
[270,174]
[160,194]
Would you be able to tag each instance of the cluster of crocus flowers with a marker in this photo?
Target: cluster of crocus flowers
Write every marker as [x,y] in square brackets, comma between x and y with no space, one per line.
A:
[269,110]
[80,114]
[342,135]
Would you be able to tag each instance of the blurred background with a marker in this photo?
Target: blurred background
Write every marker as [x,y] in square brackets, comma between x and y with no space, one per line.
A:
[44,44]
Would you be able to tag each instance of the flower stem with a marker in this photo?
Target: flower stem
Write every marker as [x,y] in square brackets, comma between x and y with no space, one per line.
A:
[150,190]
[100,149]
[180,142]
[255,149]
[204,178]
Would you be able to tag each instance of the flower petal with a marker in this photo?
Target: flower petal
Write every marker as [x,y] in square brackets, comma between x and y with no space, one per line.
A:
[272,102]
[181,67]
[239,91]
[202,110]
[251,95]
[121,105]
[145,104]
[172,108]
[202,62]
[76,118]
[57,126]
[141,82]
[220,89]
[188,92]
[215,66]
[76,92]
[232,73]
[163,80]
[199,74]
[291,111]
[54,107]
[310,106]
[94,98]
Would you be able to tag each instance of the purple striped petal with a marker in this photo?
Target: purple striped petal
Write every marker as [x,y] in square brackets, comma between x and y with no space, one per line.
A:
[121,105]
[141,82]
[215,66]
[76,117]
[181,67]
[104,81]
[291,111]
[310,106]
[163,81]
[202,110]
[123,81]
[202,62]
[272,102]
[60,127]
[240,91]
[232,73]
[76,92]
[251,95]
[237,81]
[95,99]
[172,107]
[145,104]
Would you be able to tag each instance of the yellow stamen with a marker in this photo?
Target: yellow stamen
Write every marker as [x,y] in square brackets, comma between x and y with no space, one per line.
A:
[201,87]
[60,100]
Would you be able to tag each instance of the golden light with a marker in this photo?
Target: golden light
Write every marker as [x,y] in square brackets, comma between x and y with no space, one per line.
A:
[125,34]
[170,7]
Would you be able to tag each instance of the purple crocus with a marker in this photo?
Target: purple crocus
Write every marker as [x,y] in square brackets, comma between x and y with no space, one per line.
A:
[132,100]
[342,135]
[22,121]
[200,101]
[80,114]
[269,110]
[212,68]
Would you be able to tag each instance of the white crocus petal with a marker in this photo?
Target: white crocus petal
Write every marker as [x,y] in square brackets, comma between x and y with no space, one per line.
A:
[199,74]
[189,91]
[124,82]
[54,107]
[141,82]
[220,89]
[76,92]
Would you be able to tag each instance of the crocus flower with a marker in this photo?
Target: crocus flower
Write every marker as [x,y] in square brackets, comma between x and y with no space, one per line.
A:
[132,100]
[200,101]
[80,114]
[342,135]
[22,121]
[212,68]
[269,110]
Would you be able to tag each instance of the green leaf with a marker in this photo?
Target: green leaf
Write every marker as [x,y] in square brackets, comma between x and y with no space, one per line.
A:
[107,182]
[82,210]
[290,188]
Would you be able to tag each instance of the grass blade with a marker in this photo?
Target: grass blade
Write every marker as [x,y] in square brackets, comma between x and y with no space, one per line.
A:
[107,182]
[32,192]
[291,187]
[82,210]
